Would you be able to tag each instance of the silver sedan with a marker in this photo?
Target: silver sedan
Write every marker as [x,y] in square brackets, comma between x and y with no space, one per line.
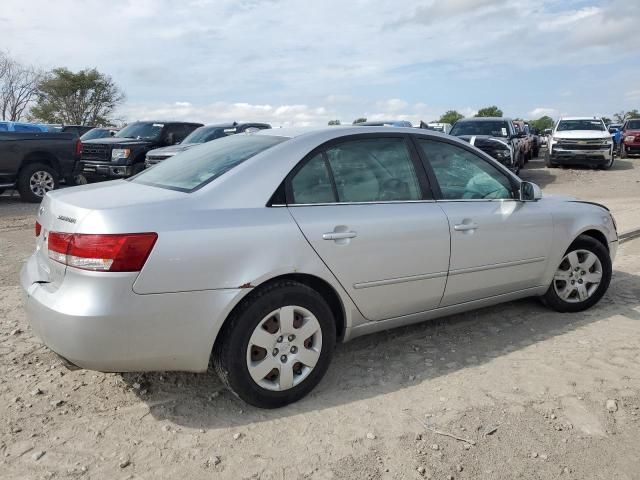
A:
[260,251]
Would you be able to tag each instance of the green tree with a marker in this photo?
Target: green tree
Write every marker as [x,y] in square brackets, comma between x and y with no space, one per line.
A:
[491,111]
[619,116]
[359,120]
[84,98]
[606,120]
[542,123]
[334,122]
[450,116]
[632,114]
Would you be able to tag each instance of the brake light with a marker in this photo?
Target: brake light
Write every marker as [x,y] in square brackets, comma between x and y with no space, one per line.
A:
[38,229]
[103,253]
[78,147]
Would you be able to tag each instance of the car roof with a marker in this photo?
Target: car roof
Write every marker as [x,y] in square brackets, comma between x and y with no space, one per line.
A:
[232,124]
[580,118]
[343,130]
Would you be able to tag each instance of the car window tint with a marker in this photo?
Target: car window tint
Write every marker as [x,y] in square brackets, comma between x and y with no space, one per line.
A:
[373,170]
[312,183]
[463,175]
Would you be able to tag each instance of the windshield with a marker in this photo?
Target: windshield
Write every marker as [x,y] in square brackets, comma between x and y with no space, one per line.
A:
[206,134]
[483,127]
[150,131]
[565,125]
[633,125]
[96,133]
[196,167]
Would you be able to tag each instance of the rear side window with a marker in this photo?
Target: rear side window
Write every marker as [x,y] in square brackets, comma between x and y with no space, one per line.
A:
[196,167]
[367,170]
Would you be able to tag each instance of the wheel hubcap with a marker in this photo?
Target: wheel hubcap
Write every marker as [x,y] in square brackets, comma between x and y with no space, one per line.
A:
[578,276]
[284,348]
[41,182]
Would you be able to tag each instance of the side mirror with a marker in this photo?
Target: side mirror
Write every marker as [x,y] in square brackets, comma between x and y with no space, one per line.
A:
[529,192]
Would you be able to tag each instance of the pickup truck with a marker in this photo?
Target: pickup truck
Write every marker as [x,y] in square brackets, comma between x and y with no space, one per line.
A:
[527,145]
[496,136]
[34,163]
[630,144]
[123,154]
[580,141]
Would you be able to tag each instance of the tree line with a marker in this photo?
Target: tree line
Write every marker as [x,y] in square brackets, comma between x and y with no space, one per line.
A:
[86,97]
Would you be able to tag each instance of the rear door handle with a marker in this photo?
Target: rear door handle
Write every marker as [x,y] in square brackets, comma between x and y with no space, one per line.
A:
[463,227]
[338,235]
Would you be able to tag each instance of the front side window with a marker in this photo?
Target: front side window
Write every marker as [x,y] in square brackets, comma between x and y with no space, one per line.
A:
[197,167]
[367,170]
[462,175]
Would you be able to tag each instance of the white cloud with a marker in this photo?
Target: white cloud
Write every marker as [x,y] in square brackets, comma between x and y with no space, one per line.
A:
[544,111]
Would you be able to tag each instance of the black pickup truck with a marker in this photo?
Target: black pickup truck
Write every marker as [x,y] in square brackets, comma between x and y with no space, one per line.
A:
[34,163]
[123,154]
[496,136]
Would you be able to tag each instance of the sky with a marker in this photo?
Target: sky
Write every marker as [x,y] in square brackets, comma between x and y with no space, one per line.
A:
[295,62]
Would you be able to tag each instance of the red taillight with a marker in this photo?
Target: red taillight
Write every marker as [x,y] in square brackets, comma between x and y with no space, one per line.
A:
[38,229]
[78,147]
[104,253]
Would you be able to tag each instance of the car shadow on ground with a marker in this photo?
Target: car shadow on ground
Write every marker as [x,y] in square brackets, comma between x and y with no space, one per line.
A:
[386,362]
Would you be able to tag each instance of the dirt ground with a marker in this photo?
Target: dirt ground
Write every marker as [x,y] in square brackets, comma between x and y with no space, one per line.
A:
[528,392]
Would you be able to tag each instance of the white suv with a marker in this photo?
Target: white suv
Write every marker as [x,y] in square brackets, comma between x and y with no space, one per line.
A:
[580,141]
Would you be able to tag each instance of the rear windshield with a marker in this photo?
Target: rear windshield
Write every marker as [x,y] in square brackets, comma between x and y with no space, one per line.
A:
[196,167]
[565,125]
[496,128]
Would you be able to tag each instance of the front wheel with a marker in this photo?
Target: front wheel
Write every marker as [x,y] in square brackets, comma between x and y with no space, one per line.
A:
[609,164]
[276,347]
[623,151]
[582,277]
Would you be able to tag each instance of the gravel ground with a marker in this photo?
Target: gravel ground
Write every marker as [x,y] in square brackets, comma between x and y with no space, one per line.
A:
[528,393]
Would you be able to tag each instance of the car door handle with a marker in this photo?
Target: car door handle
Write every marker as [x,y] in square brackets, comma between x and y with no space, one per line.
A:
[463,227]
[338,235]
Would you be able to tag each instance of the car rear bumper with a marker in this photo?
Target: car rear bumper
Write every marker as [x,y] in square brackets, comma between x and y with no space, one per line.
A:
[95,321]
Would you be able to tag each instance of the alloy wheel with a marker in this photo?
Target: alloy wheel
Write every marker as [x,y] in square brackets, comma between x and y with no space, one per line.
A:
[284,348]
[41,182]
[578,276]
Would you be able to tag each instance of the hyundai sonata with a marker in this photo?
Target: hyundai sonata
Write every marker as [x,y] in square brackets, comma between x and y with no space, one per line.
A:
[260,251]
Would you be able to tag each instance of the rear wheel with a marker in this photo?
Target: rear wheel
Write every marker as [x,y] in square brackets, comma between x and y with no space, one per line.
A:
[277,346]
[582,277]
[35,180]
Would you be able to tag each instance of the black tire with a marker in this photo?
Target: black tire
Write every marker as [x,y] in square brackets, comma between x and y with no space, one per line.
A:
[24,181]
[608,165]
[1,191]
[230,351]
[583,242]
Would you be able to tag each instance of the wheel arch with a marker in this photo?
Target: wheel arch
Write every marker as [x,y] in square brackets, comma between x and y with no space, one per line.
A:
[595,234]
[46,158]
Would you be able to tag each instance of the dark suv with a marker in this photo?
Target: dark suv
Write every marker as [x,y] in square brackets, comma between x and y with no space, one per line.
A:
[123,154]
[496,136]
[202,135]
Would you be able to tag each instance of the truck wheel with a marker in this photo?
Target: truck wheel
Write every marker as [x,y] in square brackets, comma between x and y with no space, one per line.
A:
[35,180]
[608,165]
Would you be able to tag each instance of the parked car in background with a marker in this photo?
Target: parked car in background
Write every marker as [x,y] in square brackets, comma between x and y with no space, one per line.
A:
[10,126]
[630,144]
[535,138]
[527,143]
[201,135]
[385,123]
[124,154]
[79,130]
[99,132]
[496,136]
[580,141]
[436,127]
[260,251]
[34,163]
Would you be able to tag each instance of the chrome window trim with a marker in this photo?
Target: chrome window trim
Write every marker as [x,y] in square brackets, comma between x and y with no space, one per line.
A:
[352,203]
